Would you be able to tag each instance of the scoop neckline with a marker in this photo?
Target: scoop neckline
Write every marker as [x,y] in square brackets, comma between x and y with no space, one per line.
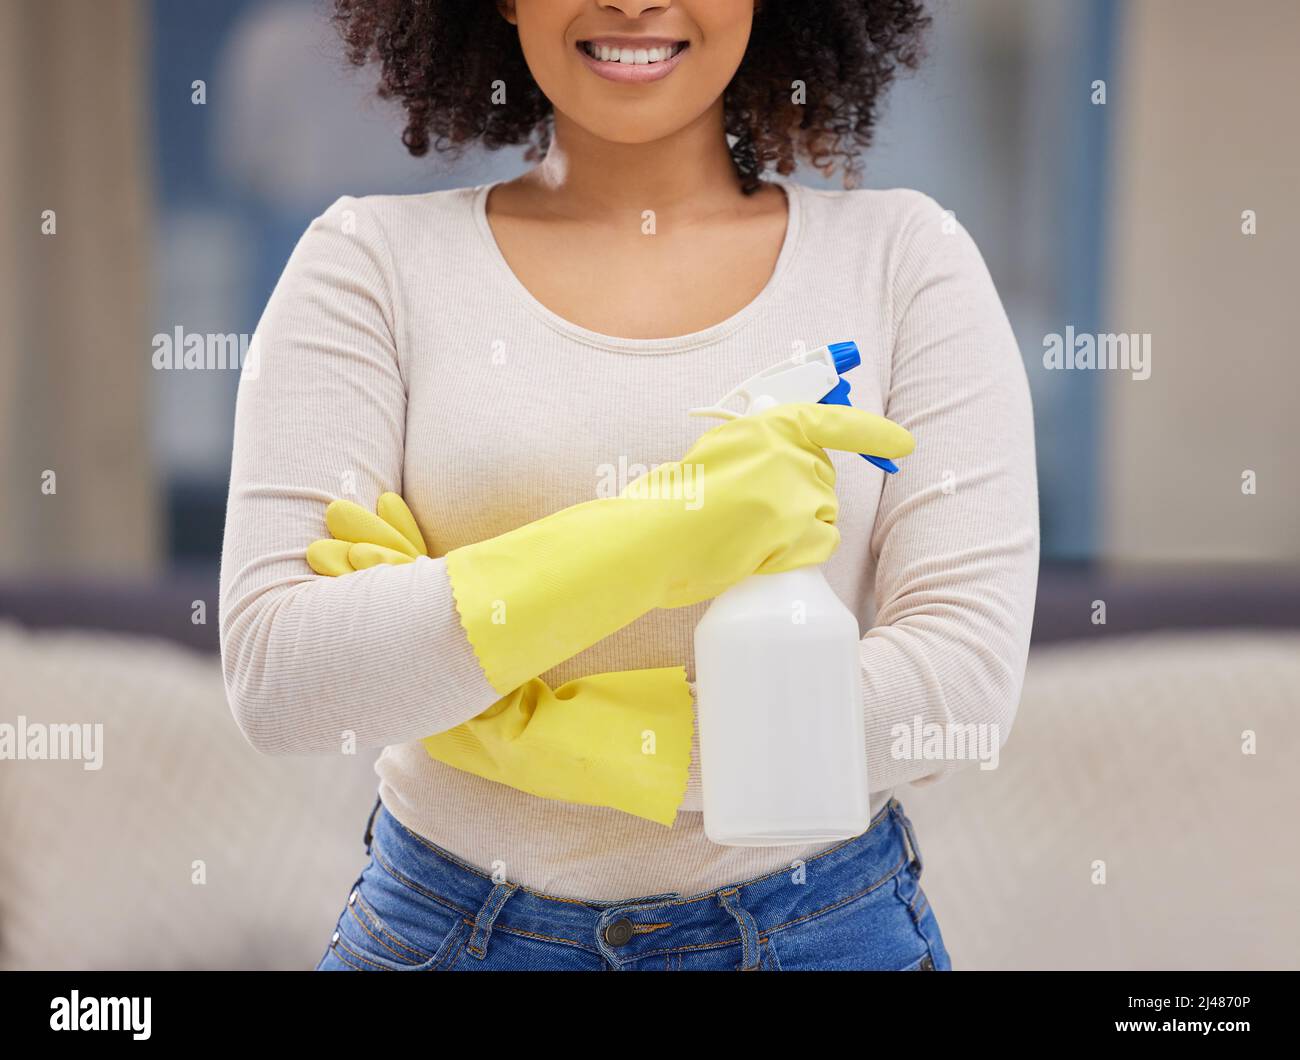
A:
[669,344]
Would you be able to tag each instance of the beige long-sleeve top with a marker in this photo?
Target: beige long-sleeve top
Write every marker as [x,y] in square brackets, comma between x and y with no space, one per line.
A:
[399,352]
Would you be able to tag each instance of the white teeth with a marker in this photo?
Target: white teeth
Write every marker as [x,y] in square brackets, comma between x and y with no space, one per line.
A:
[631,56]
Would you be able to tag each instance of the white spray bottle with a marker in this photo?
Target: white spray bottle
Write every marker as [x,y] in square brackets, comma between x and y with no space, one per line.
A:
[778,671]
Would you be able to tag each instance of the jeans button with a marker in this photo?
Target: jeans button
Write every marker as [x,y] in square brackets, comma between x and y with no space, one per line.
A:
[619,933]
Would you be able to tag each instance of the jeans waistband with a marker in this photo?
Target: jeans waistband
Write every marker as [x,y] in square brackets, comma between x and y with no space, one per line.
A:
[630,929]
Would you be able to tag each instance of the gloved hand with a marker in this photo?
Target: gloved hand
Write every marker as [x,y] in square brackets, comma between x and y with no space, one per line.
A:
[362,539]
[537,595]
[619,739]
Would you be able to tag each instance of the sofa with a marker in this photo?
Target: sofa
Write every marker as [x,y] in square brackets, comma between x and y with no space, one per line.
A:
[1139,817]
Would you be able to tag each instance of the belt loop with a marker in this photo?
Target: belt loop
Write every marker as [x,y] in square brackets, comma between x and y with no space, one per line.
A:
[370,824]
[487,915]
[749,955]
[909,838]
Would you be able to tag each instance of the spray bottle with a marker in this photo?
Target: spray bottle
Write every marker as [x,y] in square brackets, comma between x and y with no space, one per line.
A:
[778,670]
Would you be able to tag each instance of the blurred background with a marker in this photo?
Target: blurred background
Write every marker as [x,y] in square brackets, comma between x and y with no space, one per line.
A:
[1127,167]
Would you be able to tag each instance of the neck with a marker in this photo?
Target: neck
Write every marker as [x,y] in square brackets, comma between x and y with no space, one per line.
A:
[688,173]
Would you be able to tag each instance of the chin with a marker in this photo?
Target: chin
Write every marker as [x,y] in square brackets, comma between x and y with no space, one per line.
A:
[630,129]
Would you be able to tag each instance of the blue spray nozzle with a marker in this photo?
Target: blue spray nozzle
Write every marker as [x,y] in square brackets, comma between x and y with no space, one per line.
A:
[846,358]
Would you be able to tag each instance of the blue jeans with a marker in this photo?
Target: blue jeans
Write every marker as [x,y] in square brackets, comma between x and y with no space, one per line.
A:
[858,905]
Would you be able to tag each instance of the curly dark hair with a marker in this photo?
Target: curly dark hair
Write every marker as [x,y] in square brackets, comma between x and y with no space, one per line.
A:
[438,58]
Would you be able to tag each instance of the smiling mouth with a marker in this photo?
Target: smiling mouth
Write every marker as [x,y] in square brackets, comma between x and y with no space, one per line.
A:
[623,55]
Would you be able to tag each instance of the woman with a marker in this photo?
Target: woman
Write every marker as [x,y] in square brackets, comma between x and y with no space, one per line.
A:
[490,353]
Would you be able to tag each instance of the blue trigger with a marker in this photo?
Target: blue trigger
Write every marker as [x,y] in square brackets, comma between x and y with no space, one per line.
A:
[840,396]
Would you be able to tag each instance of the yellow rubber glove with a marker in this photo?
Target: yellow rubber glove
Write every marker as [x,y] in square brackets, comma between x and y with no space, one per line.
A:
[617,739]
[754,495]
[363,539]
[621,740]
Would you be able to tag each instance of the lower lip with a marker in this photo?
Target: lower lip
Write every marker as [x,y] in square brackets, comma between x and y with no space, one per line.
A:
[635,73]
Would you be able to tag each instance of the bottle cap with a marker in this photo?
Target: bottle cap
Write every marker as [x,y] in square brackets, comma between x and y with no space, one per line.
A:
[846,356]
